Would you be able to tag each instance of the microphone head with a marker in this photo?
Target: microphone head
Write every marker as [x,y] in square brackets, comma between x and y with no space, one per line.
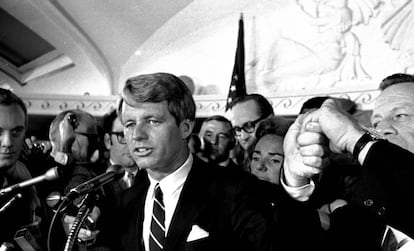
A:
[53,198]
[118,170]
[52,174]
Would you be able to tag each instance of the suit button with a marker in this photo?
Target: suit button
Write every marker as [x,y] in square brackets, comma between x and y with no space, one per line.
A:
[381,211]
[368,202]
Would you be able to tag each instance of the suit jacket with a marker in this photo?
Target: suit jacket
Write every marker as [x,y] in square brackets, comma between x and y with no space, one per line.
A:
[387,177]
[230,206]
[380,197]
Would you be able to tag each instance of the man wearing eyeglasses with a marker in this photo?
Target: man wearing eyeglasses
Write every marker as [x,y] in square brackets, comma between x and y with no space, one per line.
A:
[119,154]
[247,112]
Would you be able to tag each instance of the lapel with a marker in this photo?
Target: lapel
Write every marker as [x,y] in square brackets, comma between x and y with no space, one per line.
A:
[190,203]
[134,201]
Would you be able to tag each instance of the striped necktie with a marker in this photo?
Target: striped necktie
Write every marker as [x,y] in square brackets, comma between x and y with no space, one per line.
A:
[157,231]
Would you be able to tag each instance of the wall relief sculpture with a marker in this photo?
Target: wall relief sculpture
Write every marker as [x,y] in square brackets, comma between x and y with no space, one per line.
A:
[324,50]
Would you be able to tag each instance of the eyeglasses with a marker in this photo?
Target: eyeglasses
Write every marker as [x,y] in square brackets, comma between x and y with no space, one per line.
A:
[248,127]
[120,137]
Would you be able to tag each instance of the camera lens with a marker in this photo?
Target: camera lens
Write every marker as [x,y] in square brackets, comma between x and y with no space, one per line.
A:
[38,147]
[73,120]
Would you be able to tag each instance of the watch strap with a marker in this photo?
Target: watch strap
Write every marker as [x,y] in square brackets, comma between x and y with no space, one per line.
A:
[361,143]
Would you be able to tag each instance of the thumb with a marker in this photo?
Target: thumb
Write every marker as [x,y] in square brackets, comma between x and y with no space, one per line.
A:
[289,144]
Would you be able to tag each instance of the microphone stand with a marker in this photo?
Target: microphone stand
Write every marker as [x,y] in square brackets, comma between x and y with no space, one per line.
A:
[84,210]
[8,203]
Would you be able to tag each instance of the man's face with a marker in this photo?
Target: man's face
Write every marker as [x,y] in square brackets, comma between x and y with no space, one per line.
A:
[154,139]
[393,115]
[118,149]
[243,113]
[12,131]
[217,139]
[267,158]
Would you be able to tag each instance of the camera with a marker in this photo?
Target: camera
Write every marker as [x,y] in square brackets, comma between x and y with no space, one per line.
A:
[73,120]
[38,148]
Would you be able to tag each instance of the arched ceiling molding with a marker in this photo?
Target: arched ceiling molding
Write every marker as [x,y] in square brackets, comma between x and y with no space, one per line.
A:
[91,48]
[50,20]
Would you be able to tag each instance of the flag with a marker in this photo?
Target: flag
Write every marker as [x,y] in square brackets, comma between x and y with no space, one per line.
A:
[238,81]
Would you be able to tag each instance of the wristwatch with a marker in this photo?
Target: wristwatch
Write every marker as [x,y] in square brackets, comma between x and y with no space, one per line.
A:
[368,136]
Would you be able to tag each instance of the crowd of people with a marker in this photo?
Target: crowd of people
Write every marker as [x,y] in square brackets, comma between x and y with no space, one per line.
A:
[252,181]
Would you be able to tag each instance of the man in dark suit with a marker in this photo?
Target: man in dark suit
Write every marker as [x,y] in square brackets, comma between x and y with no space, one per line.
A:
[181,202]
[246,114]
[18,208]
[378,208]
[218,141]
[117,148]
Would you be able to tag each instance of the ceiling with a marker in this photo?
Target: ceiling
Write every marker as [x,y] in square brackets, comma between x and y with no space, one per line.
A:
[59,54]
[86,48]
[39,39]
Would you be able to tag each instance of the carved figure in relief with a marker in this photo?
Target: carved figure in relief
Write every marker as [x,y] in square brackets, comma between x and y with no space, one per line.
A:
[398,31]
[331,48]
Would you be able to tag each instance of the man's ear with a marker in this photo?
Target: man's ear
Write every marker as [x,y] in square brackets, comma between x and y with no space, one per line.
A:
[107,141]
[186,127]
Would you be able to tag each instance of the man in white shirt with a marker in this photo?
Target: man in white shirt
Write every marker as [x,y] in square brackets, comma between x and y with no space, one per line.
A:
[181,202]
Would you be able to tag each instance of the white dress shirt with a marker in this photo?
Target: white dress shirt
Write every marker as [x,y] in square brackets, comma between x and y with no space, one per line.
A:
[171,187]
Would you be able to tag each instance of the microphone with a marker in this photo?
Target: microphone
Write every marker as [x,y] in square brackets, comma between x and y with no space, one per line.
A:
[51,174]
[114,172]
[53,199]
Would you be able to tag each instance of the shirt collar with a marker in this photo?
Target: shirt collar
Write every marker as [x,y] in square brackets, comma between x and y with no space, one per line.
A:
[175,180]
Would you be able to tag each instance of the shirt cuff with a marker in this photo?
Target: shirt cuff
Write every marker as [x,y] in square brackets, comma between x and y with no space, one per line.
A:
[301,193]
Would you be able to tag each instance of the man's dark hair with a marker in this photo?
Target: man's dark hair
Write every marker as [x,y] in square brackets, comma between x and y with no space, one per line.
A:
[218,118]
[316,102]
[108,121]
[312,103]
[226,121]
[277,125]
[265,108]
[159,87]
[394,79]
[8,98]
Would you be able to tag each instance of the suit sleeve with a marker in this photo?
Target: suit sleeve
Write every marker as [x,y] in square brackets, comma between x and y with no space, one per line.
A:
[388,173]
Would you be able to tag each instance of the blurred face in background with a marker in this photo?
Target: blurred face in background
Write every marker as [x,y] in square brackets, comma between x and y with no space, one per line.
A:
[116,144]
[267,158]
[218,140]
[393,115]
[12,132]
